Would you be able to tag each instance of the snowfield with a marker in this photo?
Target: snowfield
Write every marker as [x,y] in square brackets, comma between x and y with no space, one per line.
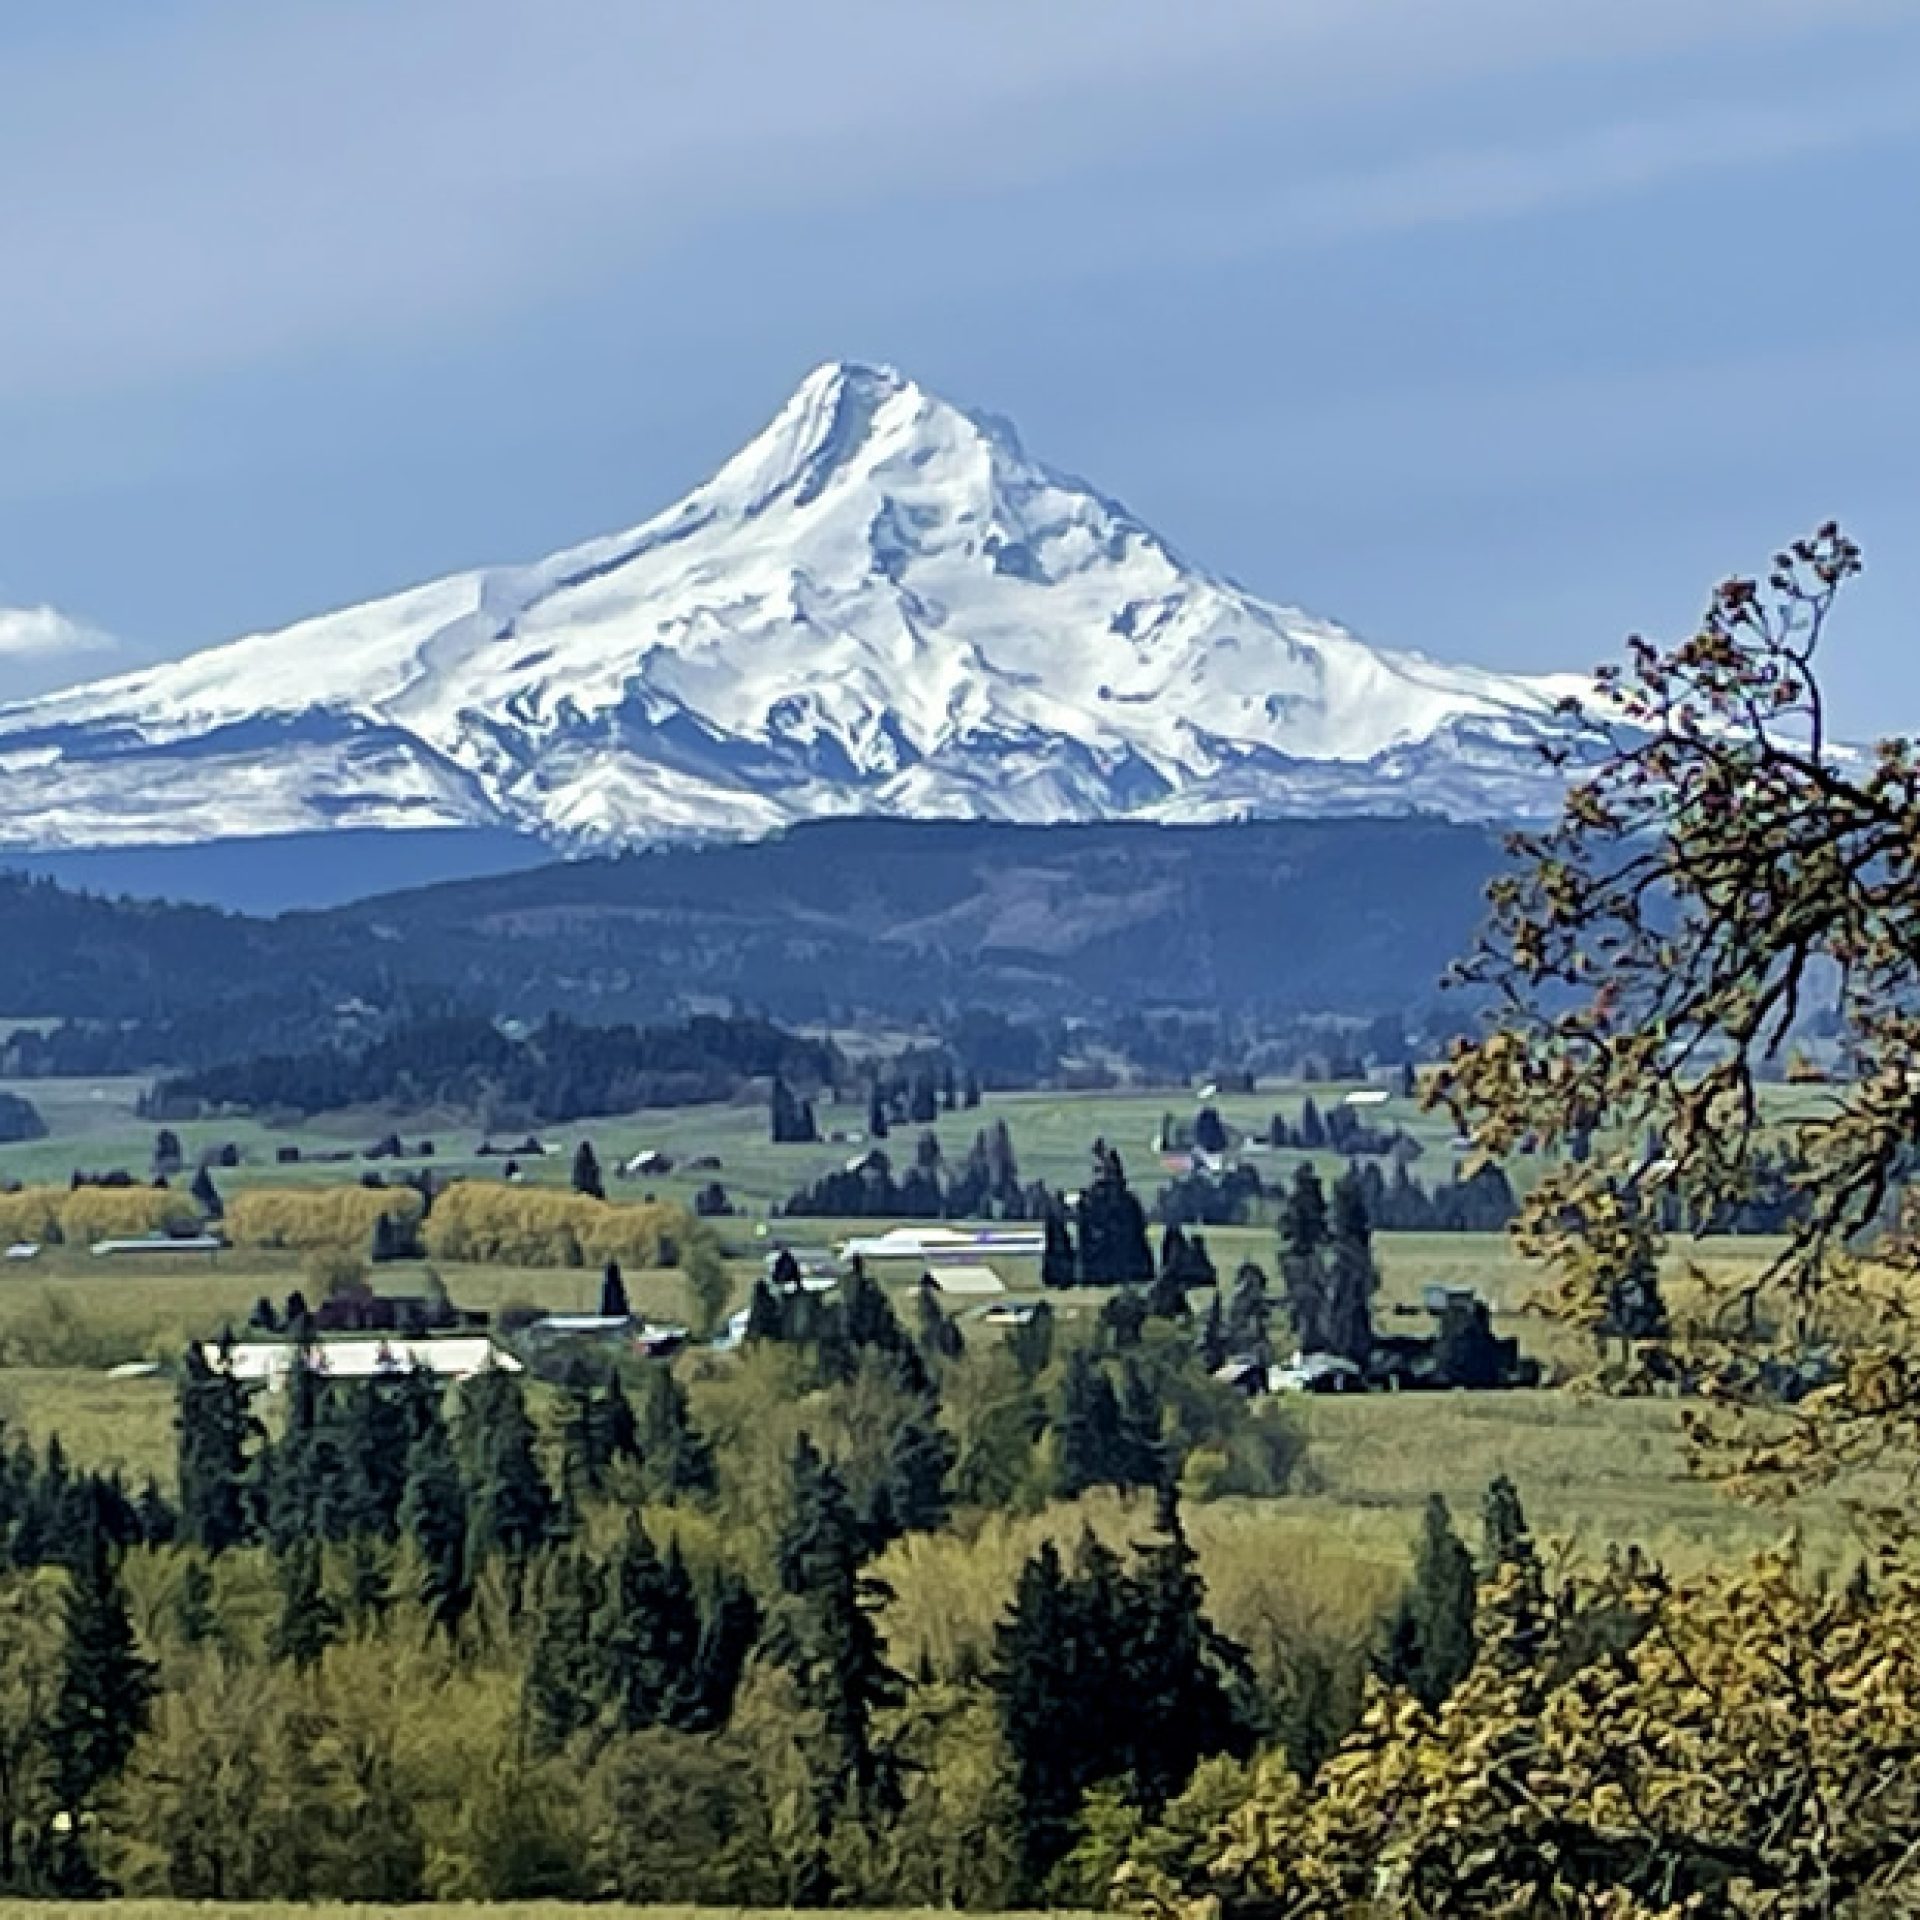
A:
[880,605]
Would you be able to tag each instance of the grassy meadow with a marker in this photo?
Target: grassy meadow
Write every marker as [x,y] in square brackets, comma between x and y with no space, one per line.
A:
[1590,1470]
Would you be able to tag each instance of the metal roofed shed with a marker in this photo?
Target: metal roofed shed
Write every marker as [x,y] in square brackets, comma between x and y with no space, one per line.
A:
[268,1363]
[946,1243]
[952,1277]
[159,1243]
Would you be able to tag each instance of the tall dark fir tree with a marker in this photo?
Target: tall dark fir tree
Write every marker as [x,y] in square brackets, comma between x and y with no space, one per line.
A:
[587,1177]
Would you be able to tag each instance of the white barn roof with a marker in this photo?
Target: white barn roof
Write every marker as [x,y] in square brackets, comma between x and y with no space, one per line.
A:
[363,1357]
[952,1278]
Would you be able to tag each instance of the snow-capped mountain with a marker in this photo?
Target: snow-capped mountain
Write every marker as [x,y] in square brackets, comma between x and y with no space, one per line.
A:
[880,605]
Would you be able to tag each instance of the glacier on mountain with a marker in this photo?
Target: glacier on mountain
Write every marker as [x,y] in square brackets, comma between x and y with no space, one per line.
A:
[879,605]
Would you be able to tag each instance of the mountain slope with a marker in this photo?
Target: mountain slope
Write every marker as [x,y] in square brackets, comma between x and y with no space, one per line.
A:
[835,920]
[880,605]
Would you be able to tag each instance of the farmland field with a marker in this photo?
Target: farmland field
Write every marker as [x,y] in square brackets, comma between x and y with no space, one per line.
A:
[1590,1469]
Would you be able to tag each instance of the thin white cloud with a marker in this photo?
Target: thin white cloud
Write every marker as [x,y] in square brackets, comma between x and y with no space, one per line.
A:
[42,648]
[45,633]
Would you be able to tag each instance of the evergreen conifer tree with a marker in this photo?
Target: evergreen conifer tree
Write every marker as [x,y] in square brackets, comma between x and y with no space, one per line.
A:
[1039,1688]
[1123,1318]
[1214,1348]
[1087,1429]
[1431,1640]
[105,1689]
[939,1337]
[1114,1248]
[920,1460]
[675,1460]
[824,1631]
[766,1319]
[563,1686]
[369,1582]
[729,1626]
[619,1429]
[511,1507]
[1167,1297]
[309,1621]
[433,1515]
[1507,1539]
[1030,1342]
[1352,1277]
[1142,1459]
[613,1293]
[206,1196]
[587,1178]
[215,1430]
[1190,1688]
[1250,1315]
[1303,1252]
[647,1636]
[1059,1259]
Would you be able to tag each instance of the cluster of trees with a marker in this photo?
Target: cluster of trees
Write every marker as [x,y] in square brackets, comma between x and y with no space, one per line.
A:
[1327,1270]
[790,1118]
[1397,1202]
[561,1070]
[520,1226]
[20,1120]
[79,1215]
[916,1090]
[1767,1772]
[1103,1241]
[984,1186]
[625,1637]
[306,1218]
[1344,1130]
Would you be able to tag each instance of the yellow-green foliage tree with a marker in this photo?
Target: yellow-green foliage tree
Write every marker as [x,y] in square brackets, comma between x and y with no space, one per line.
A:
[1742,1743]
[1722,867]
[31,1214]
[544,1227]
[88,1214]
[305,1219]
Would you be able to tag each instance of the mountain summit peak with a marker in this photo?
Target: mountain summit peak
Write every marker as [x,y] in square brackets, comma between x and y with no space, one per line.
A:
[843,415]
[880,604]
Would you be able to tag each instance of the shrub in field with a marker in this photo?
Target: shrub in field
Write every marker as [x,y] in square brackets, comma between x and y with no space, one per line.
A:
[308,1218]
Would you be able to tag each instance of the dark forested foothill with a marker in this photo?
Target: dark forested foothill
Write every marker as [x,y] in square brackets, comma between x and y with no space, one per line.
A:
[559,1071]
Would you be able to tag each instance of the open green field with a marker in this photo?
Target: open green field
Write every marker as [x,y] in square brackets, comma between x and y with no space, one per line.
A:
[95,1124]
[1590,1470]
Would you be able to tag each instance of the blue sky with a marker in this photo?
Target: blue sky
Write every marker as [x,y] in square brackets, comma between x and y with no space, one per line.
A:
[1495,329]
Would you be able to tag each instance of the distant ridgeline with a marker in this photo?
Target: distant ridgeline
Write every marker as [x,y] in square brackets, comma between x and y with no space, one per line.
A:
[560,1071]
[1268,921]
